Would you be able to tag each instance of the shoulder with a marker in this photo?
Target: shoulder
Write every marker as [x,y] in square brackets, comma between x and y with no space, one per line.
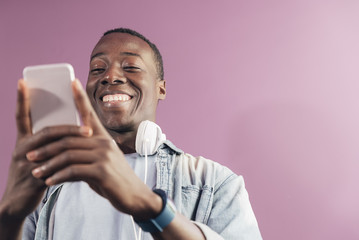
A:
[208,170]
[198,170]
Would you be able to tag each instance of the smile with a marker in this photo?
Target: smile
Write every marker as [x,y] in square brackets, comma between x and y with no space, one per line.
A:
[116,98]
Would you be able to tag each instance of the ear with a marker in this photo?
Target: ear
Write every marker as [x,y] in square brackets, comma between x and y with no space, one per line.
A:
[161,86]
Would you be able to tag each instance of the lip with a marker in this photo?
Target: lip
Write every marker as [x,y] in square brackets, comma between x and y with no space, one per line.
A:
[113,104]
[108,92]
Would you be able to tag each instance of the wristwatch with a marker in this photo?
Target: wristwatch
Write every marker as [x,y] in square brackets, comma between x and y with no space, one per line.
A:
[166,215]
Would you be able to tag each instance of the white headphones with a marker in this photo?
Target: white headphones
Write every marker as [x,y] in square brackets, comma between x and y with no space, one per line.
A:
[149,137]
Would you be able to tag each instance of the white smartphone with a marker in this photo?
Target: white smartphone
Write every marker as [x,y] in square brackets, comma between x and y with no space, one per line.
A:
[51,97]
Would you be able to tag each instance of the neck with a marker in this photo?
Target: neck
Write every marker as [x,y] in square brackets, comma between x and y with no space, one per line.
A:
[125,137]
[126,141]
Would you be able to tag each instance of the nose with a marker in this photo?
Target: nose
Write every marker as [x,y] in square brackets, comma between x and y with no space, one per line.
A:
[113,76]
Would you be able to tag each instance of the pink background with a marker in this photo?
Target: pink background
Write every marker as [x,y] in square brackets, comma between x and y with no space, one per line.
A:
[268,88]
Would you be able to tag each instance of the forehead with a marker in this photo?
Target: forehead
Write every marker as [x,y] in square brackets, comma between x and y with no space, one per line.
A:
[115,43]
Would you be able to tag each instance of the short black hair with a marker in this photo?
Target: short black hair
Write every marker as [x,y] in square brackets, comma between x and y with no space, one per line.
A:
[156,52]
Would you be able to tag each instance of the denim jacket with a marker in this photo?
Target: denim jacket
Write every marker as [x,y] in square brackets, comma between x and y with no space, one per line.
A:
[207,193]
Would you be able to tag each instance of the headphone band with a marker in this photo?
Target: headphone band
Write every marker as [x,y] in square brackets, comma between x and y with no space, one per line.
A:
[149,137]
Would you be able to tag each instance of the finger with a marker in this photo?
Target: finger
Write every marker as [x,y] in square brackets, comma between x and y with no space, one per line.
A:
[77,172]
[62,161]
[87,113]
[51,134]
[23,119]
[54,148]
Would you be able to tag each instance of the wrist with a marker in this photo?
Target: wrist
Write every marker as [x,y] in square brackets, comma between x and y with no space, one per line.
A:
[163,219]
[7,217]
[10,226]
[153,205]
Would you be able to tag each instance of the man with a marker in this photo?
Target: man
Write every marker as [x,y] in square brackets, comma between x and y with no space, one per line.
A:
[95,184]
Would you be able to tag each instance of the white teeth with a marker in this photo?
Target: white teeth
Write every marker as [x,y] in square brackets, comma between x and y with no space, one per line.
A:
[116,97]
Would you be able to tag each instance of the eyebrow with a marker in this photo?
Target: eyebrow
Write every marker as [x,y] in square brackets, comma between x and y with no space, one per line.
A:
[96,55]
[131,54]
[122,53]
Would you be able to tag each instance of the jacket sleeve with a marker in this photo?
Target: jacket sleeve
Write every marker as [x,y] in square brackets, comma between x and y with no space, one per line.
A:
[210,195]
[29,227]
[31,221]
[208,232]
[232,215]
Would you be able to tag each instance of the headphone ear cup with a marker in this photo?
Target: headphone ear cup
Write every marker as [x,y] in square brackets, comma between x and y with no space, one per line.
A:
[149,137]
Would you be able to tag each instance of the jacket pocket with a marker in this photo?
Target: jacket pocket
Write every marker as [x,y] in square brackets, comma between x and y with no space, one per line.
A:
[197,202]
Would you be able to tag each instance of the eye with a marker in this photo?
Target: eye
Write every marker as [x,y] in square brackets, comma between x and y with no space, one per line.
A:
[132,69]
[96,71]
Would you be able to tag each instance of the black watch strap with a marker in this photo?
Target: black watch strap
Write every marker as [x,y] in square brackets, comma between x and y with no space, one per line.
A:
[165,217]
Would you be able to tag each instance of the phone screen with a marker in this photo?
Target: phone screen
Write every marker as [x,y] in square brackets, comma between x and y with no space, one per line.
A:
[51,98]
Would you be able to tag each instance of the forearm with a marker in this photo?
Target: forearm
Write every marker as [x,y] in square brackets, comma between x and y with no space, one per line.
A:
[180,228]
[10,229]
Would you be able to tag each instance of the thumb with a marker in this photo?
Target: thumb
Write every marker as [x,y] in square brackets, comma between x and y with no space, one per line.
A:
[23,119]
[86,111]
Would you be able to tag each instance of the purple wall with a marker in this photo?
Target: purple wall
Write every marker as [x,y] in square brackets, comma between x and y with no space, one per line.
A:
[268,89]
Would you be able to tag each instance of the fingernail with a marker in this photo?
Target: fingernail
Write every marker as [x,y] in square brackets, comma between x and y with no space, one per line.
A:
[19,84]
[86,131]
[37,172]
[31,155]
[78,84]
[49,181]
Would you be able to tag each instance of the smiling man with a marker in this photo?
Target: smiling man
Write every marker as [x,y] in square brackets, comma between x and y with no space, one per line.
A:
[69,182]
[125,84]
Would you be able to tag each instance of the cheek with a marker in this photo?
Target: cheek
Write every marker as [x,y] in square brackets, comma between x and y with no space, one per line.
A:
[149,104]
[90,89]
[90,85]
[150,95]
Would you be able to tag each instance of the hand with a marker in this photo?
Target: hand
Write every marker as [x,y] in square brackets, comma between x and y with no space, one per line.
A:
[23,191]
[94,158]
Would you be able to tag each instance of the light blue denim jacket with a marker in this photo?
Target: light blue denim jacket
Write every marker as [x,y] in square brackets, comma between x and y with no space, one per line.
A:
[209,194]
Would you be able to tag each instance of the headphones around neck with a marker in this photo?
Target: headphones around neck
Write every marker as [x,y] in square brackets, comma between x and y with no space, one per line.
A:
[149,137]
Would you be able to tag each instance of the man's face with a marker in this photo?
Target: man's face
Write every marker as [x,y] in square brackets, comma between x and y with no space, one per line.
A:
[123,84]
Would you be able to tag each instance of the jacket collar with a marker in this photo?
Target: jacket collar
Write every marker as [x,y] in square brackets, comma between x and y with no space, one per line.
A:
[168,145]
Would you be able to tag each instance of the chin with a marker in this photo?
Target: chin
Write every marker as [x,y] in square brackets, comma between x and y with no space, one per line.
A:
[120,126]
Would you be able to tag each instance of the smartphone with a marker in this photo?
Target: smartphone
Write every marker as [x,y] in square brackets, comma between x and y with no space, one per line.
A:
[51,97]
